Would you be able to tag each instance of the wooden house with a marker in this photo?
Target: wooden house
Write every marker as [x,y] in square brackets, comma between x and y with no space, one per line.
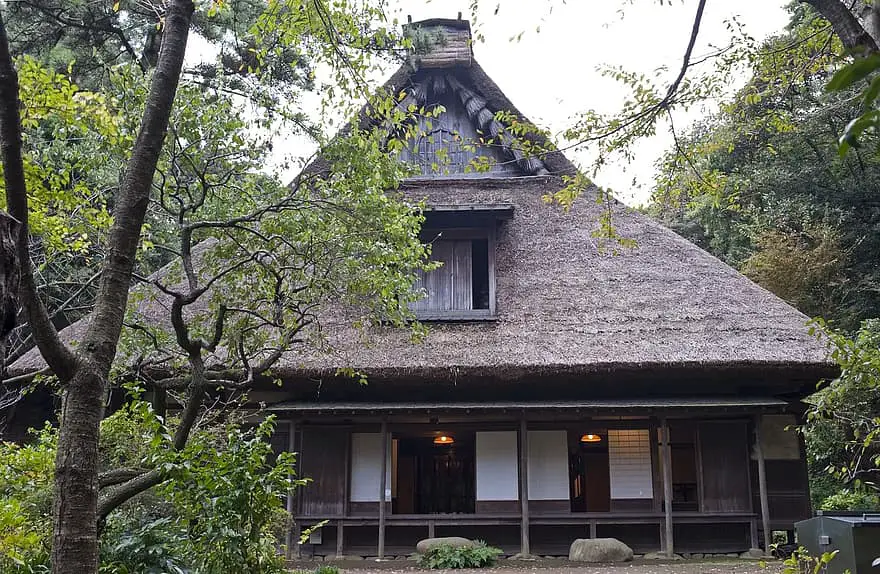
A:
[564,390]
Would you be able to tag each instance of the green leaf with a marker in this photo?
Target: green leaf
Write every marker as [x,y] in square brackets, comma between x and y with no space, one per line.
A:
[849,75]
[872,92]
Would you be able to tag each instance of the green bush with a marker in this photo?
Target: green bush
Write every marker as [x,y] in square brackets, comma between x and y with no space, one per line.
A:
[220,510]
[851,500]
[445,556]
[26,473]
[318,570]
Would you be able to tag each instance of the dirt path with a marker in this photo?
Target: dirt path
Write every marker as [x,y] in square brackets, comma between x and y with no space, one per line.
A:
[561,566]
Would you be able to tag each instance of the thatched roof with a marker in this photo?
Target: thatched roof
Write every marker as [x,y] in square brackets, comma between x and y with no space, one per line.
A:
[571,309]
[568,306]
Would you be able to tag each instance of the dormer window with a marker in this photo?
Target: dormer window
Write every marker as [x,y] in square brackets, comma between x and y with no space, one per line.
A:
[462,239]
[463,287]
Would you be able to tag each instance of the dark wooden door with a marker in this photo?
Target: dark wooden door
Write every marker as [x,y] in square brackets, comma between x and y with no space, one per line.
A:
[323,460]
[725,466]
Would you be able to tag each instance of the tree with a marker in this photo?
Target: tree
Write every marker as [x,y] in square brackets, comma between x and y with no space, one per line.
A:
[254,259]
[84,373]
[844,422]
[761,184]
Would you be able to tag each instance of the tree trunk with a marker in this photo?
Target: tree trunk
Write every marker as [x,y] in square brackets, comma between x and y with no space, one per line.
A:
[846,25]
[9,278]
[75,534]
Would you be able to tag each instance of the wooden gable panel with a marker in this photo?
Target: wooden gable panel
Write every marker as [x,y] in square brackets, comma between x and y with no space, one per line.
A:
[450,145]
[323,460]
[724,458]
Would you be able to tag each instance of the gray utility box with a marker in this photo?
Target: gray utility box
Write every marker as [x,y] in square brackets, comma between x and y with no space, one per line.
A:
[856,535]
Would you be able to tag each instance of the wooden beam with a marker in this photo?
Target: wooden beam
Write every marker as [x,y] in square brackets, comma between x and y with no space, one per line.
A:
[666,455]
[524,487]
[382,487]
[762,485]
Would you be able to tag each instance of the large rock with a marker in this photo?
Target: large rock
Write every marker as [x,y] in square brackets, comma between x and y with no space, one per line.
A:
[455,541]
[599,550]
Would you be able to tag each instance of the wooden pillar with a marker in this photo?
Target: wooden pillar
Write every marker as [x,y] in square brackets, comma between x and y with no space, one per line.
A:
[762,485]
[524,487]
[346,495]
[382,487]
[656,479]
[293,546]
[666,455]
[339,539]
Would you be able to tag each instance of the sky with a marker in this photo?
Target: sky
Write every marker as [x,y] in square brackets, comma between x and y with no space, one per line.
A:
[552,74]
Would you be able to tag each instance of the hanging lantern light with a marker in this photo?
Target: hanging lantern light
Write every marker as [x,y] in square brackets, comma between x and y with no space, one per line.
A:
[443,440]
[590,437]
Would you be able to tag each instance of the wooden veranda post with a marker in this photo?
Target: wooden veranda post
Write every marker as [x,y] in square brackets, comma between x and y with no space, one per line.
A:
[346,496]
[524,487]
[382,487]
[293,547]
[762,485]
[666,455]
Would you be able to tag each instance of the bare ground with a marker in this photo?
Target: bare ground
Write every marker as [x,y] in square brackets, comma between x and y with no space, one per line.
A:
[562,566]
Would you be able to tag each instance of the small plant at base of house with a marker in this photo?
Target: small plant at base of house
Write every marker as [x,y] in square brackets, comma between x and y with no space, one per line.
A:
[802,562]
[318,570]
[452,557]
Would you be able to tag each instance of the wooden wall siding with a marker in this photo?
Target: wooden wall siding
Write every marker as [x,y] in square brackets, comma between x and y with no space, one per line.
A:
[324,462]
[724,459]
[779,438]
[788,492]
[712,538]
[497,506]
[632,504]
[450,286]
[462,275]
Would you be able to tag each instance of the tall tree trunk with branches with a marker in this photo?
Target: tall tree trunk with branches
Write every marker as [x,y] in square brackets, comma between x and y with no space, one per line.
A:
[84,374]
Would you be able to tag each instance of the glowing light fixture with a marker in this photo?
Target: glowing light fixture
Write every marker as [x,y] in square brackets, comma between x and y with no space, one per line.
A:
[443,439]
[590,437]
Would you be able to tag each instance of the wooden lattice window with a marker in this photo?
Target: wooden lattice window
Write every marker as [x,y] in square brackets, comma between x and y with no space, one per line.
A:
[440,151]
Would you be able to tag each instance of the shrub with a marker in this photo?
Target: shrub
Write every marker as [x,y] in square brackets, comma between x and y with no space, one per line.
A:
[26,504]
[318,570]
[801,561]
[445,556]
[220,510]
[851,500]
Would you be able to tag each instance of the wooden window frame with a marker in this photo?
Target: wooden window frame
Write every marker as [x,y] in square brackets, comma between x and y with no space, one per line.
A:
[465,233]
